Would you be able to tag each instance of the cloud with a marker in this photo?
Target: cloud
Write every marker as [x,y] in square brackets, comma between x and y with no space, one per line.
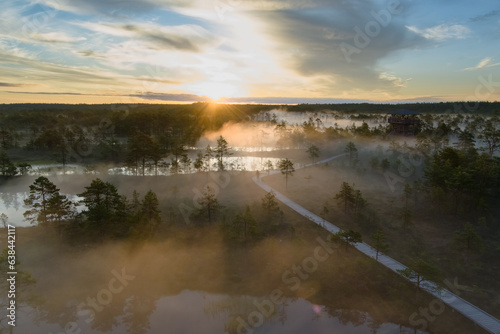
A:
[172,97]
[6,84]
[56,37]
[44,71]
[442,32]
[191,38]
[288,100]
[57,93]
[156,80]
[426,99]
[90,53]
[485,63]
[398,82]
[323,41]
[115,8]
[487,16]
[253,100]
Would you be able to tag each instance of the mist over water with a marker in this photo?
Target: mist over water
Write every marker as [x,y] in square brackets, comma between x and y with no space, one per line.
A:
[191,284]
[190,280]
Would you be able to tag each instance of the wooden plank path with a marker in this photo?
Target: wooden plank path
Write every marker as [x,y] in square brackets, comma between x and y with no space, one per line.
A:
[478,316]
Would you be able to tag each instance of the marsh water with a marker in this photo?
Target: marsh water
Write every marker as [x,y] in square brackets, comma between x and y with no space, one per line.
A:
[202,312]
[12,205]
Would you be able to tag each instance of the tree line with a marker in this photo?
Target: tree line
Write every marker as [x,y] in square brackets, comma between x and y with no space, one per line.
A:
[106,213]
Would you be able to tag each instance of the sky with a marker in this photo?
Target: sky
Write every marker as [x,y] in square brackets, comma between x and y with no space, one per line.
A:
[249,51]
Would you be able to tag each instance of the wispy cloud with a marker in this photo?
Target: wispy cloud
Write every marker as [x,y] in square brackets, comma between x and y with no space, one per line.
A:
[56,37]
[490,15]
[110,7]
[398,82]
[190,38]
[57,93]
[7,84]
[485,63]
[442,32]
[172,97]
[89,53]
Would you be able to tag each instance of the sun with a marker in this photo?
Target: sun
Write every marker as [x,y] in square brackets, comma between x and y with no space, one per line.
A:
[215,90]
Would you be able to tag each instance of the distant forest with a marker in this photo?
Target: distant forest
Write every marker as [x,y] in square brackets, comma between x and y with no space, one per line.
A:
[188,121]
[140,133]
[127,117]
[492,108]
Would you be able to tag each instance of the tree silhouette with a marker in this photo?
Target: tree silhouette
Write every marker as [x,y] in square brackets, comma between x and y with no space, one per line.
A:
[6,139]
[313,152]
[270,206]
[467,241]
[143,150]
[348,238]
[186,163]
[352,153]
[24,167]
[379,243]
[47,205]
[107,211]
[7,168]
[175,166]
[490,135]
[209,204]
[268,166]
[147,217]
[209,153]
[468,238]
[221,150]
[4,219]
[199,162]
[287,169]
[245,223]
[419,270]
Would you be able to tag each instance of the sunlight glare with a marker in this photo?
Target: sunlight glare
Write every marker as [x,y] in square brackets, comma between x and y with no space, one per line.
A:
[216,90]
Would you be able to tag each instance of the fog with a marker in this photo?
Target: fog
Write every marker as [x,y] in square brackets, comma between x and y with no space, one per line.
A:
[248,136]
[191,283]
[190,277]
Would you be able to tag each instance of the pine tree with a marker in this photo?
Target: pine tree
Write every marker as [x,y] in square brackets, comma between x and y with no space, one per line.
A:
[199,162]
[221,150]
[208,156]
[7,168]
[313,152]
[24,167]
[209,204]
[268,166]
[104,205]
[287,169]
[150,215]
[352,153]
[47,206]
[379,243]
[270,206]
[419,270]
[186,163]
[346,197]
[4,219]
[245,223]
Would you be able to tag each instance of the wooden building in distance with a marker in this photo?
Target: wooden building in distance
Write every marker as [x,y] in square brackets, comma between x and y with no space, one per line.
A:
[404,122]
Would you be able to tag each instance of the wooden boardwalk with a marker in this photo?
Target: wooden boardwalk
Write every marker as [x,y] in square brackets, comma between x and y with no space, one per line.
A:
[478,316]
